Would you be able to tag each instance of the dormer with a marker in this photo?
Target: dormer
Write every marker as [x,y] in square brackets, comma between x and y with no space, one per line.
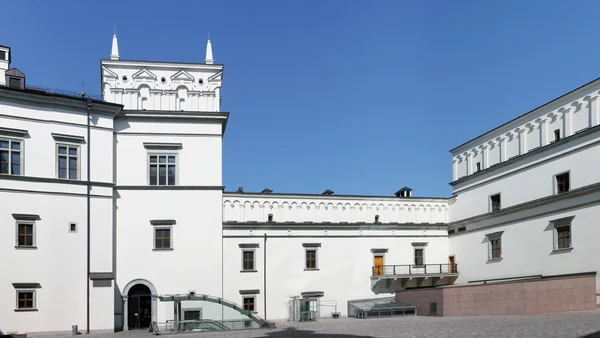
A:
[14,78]
[327,192]
[266,191]
[405,192]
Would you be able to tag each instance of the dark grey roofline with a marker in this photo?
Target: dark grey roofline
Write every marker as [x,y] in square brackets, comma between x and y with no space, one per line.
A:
[518,117]
[44,93]
[333,196]
[183,63]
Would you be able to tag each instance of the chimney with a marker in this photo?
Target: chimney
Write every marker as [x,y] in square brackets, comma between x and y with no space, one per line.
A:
[4,63]
[240,190]
[327,192]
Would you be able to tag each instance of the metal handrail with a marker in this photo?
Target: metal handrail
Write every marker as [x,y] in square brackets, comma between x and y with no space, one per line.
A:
[413,269]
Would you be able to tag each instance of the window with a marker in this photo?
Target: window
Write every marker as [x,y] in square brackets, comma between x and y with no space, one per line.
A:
[10,157]
[189,314]
[563,235]
[2,55]
[495,202]
[14,82]
[68,161]
[162,169]
[556,135]
[419,256]
[478,165]
[248,260]
[562,183]
[162,238]
[311,259]
[461,229]
[495,245]
[25,234]
[433,309]
[270,218]
[249,303]
[376,219]
[72,227]
[25,299]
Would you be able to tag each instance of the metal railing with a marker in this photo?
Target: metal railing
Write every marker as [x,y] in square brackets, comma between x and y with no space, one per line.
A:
[412,269]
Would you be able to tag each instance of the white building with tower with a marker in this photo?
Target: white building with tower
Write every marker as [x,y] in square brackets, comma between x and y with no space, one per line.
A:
[115,216]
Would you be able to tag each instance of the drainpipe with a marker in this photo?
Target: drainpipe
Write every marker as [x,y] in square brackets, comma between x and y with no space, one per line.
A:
[265,276]
[89,143]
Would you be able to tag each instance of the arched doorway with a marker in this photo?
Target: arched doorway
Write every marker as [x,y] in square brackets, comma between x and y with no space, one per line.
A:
[139,307]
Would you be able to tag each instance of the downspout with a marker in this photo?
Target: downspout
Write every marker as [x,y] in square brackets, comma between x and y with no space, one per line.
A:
[265,276]
[89,188]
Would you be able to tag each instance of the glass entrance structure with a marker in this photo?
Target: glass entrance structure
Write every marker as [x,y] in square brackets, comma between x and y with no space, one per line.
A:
[379,307]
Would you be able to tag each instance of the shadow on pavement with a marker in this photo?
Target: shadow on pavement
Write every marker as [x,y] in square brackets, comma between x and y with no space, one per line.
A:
[592,335]
[293,332]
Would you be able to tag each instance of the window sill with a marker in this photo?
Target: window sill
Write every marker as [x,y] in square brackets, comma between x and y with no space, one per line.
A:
[246,271]
[564,250]
[312,269]
[26,310]
[494,260]
[165,249]
[21,247]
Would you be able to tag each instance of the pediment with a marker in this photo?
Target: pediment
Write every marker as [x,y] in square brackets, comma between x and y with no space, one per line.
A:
[182,75]
[216,77]
[144,74]
[108,73]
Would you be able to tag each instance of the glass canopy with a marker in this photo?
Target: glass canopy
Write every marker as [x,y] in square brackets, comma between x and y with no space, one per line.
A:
[379,307]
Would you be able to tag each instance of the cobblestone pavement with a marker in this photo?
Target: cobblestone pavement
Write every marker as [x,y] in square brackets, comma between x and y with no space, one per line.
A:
[569,324]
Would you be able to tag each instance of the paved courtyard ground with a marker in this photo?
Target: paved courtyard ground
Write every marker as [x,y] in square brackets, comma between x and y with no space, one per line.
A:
[570,324]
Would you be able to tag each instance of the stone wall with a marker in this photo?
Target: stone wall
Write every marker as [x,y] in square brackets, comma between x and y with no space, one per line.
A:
[555,294]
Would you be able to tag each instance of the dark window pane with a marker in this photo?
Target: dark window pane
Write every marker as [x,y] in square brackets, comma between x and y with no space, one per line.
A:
[171,180]
[162,171]
[171,170]
[153,170]
[72,151]
[62,150]
[15,146]
[152,159]
[16,169]
[72,163]
[158,244]
[73,174]
[167,243]
[15,157]
[3,168]
[62,173]
[162,159]
[171,159]
[62,162]
[3,156]
[4,144]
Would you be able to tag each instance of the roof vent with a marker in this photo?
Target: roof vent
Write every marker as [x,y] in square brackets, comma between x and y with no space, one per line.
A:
[327,192]
[15,78]
[266,191]
[240,190]
[404,192]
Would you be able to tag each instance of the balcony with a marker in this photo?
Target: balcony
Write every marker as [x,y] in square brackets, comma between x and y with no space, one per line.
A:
[393,278]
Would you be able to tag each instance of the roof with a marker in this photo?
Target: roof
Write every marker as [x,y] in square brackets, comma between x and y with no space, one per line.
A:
[46,92]
[257,194]
[531,111]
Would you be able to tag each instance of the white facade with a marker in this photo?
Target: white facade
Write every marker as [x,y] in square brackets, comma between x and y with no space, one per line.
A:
[161,224]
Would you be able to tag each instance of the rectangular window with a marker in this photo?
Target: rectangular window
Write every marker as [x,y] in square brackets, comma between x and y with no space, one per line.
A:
[557,135]
[72,227]
[562,183]
[163,169]
[10,157]
[496,248]
[162,238]
[25,299]
[270,218]
[25,234]
[248,260]
[376,219]
[192,314]
[249,303]
[563,235]
[68,161]
[311,259]
[495,202]
[478,165]
[419,256]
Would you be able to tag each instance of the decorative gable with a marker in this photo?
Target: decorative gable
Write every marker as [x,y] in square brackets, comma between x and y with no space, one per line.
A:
[216,78]
[107,73]
[182,75]
[144,74]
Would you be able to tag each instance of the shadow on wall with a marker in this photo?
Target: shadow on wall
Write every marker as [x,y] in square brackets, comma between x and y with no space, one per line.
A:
[592,335]
[119,308]
[293,332]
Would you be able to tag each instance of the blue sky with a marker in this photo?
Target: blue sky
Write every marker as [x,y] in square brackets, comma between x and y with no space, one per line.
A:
[360,97]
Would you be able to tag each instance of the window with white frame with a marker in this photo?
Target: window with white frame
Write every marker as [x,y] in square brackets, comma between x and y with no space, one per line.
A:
[11,156]
[67,161]
[26,296]
[248,256]
[310,256]
[163,234]
[562,233]
[562,182]
[419,253]
[495,245]
[25,237]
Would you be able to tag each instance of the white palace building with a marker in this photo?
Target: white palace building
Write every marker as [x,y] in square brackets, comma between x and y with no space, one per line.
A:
[113,216]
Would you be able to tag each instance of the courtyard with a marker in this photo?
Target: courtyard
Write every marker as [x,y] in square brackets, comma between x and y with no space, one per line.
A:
[566,324]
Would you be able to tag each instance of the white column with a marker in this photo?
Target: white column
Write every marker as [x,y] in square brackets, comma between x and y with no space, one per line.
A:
[483,150]
[543,134]
[468,160]
[502,149]
[454,169]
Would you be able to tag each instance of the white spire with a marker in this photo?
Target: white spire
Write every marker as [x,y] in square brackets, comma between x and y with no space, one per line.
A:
[114,54]
[209,57]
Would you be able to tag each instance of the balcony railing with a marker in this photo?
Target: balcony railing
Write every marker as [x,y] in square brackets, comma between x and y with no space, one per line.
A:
[411,269]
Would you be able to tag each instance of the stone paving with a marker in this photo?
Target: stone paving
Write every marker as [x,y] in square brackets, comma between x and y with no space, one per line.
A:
[567,324]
